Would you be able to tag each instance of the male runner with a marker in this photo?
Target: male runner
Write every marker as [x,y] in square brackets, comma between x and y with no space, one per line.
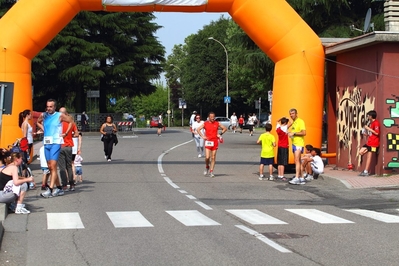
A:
[51,124]
[211,138]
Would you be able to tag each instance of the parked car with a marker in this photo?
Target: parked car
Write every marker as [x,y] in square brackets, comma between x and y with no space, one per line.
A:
[154,121]
[224,121]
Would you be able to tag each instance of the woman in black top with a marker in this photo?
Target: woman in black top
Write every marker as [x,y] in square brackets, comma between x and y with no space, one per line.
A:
[17,190]
[108,130]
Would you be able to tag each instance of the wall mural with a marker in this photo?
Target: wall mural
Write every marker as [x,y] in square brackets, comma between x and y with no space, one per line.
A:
[353,106]
[392,137]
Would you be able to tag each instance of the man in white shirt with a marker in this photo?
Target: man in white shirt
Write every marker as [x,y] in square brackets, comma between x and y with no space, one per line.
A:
[192,120]
[233,122]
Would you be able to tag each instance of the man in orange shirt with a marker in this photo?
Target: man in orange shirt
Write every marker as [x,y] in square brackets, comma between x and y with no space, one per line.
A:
[65,158]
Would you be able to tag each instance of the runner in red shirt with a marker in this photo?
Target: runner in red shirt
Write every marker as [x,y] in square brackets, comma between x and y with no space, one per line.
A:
[211,138]
[282,151]
[373,141]
[241,122]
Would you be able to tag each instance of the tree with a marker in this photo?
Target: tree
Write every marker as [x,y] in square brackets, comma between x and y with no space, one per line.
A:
[115,53]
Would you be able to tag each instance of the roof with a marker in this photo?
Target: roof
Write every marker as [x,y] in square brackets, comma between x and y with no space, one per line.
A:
[344,45]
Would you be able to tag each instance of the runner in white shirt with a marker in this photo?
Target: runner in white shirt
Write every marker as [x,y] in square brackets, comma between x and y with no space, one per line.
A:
[199,142]
[233,122]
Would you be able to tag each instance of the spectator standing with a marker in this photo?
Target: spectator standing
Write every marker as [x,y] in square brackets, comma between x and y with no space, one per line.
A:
[211,138]
[282,150]
[108,130]
[297,134]
[78,169]
[51,124]
[65,158]
[268,143]
[77,146]
[233,122]
[199,142]
[373,140]
[27,131]
[84,118]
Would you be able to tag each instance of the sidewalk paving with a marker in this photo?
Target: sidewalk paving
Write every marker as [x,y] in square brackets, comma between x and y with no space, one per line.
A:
[351,179]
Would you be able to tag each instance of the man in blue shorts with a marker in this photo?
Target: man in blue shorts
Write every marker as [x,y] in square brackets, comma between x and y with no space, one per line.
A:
[297,134]
[51,124]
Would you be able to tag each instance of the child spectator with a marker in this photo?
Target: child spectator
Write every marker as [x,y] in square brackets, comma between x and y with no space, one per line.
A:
[373,140]
[305,159]
[78,169]
[44,167]
[282,150]
[267,153]
[316,165]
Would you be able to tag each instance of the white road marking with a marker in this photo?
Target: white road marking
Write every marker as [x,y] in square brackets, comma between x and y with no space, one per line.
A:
[170,182]
[66,220]
[128,219]
[183,191]
[319,216]
[379,216]
[264,239]
[191,197]
[192,218]
[203,205]
[253,216]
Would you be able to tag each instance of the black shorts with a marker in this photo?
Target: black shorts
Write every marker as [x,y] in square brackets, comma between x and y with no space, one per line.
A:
[160,125]
[251,127]
[282,156]
[372,149]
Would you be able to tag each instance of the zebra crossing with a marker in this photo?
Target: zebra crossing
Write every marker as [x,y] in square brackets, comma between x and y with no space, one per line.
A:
[134,219]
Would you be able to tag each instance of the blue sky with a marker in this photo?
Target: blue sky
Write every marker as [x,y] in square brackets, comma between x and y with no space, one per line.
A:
[177,26]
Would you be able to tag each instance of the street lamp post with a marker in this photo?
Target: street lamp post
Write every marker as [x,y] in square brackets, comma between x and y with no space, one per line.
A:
[227,75]
[182,107]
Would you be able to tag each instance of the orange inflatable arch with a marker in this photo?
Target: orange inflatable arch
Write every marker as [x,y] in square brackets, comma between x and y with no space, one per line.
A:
[273,25]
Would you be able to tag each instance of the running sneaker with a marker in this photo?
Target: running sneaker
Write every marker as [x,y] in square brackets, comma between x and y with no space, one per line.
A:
[261,177]
[61,192]
[271,178]
[309,178]
[46,194]
[109,160]
[211,174]
[56,192]
[199,156]
[364,173]
[302,181]
[294,181]
[72,188]
[21,210]
[206,171]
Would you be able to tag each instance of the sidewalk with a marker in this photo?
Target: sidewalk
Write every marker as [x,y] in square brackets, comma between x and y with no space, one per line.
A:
[351,179]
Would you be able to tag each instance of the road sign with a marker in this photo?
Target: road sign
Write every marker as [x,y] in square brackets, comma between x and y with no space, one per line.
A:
[227,99]
[269,96]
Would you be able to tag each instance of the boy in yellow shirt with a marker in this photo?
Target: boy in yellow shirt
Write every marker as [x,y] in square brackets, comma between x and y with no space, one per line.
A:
[268,142]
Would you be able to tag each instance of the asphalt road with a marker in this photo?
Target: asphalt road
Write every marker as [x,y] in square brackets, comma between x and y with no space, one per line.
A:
[152,206]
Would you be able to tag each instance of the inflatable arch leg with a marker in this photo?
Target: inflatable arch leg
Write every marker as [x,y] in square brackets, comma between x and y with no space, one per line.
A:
[273,25]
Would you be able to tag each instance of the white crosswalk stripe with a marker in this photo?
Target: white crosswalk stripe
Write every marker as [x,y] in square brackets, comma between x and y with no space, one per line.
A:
[128,219]
[379,216]
[68,220]
[255,217]
[134,219]
[192,218]
[319,216]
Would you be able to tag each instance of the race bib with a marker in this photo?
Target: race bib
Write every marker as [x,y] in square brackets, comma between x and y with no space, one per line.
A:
[48,140]
[209,143]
